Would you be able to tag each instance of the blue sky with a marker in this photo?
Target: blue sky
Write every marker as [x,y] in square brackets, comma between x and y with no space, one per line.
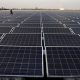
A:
[53,4]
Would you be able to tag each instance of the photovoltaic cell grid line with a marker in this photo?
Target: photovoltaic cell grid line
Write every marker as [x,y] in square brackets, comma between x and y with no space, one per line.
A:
[57,30]
[27,30]
[62,40]
[21,61]
[5,29]
[22,40]
[63,61]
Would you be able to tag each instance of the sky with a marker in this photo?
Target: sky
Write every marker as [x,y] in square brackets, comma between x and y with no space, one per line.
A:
[52,4]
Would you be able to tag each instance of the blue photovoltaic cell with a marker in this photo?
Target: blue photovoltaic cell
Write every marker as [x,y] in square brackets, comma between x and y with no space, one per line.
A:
[63,61]
[21,61]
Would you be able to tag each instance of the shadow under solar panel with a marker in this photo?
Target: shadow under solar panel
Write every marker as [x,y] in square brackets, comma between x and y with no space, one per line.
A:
[63,61]
[21,61]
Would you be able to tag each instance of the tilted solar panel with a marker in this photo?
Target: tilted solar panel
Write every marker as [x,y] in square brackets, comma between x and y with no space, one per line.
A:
[57,30]
[30,25]
[62,40]
[22,40]
[21,61]
[27,30]
[52,25]
[63,61]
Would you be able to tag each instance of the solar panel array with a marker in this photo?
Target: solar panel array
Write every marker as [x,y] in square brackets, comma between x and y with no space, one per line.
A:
[27,36]
[21,45]
[62,45]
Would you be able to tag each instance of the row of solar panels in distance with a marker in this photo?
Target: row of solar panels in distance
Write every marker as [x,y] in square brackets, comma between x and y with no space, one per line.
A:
[35,40]
[32,25]
[38,25]
[38,30]
[27,22]
[35,30]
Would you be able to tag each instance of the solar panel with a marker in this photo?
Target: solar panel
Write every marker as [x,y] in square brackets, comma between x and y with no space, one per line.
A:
[5,29]
[6,25]
[13,22]
[74,23]
[57,30]
[21,61]
[52,25]
[76,30]
[51,22]
[63,61]
[32,21]
[73,26]
[62,40]
[22,40]
[30,25]
[27,30]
